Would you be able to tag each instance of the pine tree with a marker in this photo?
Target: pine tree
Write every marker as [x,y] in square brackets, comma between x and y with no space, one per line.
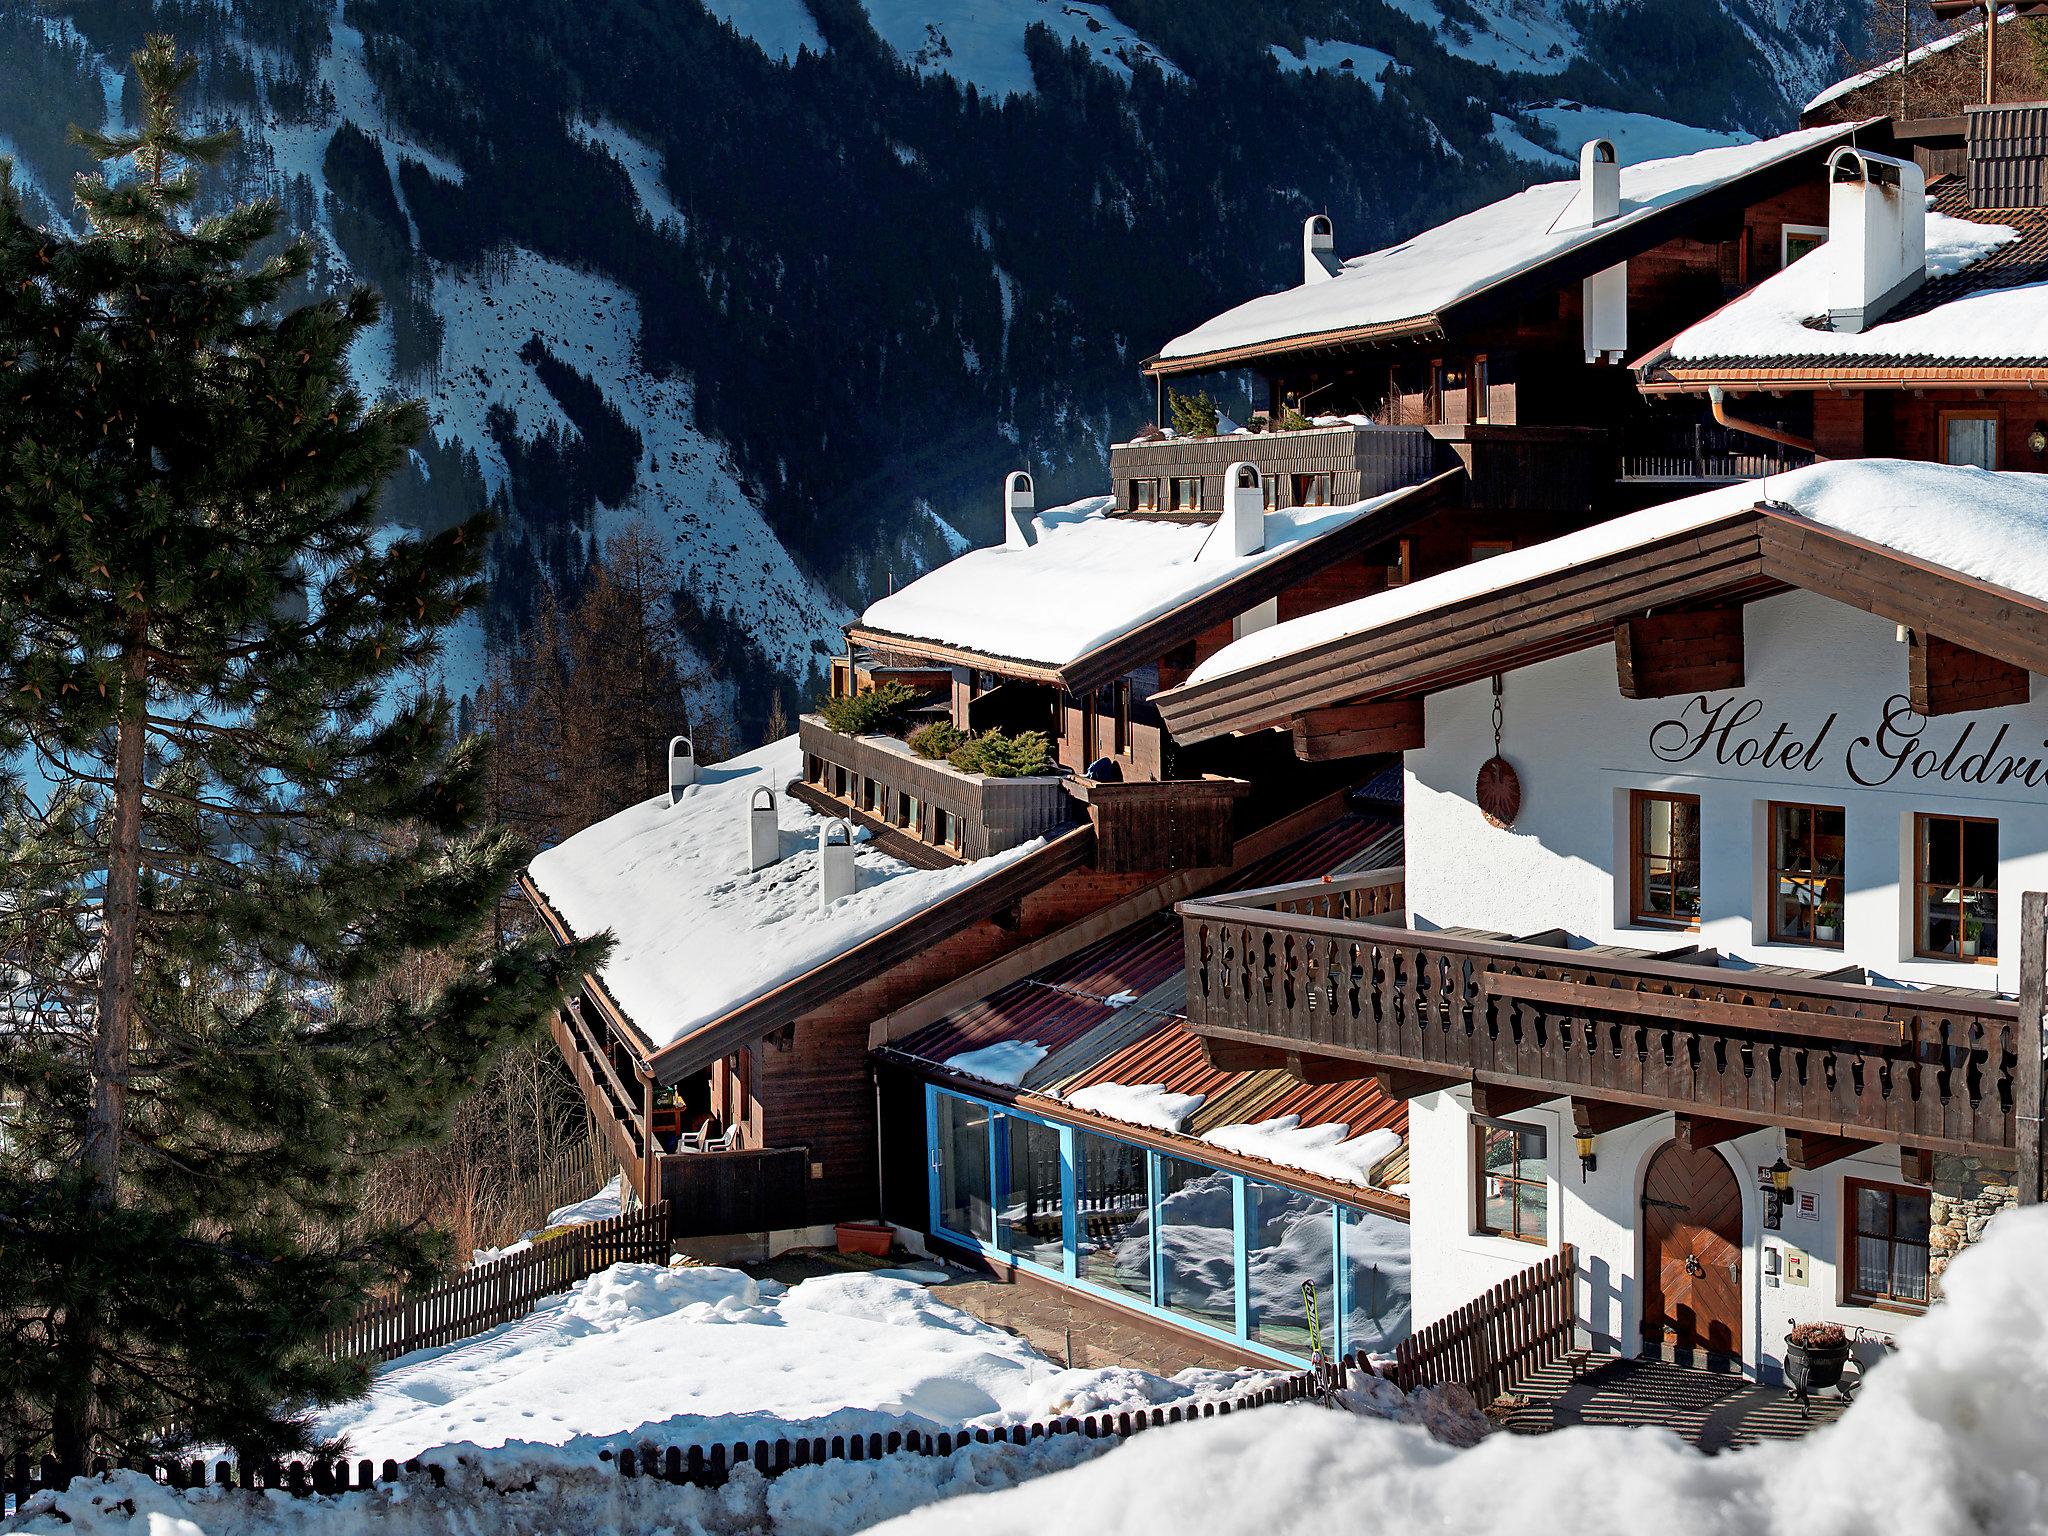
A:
[247,820]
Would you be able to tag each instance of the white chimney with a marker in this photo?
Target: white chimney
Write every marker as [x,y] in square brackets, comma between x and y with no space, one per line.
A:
[835,862]
[1877,235]
[682,767]
[1319,261]
[764,833]
[1604,314]
[1598,197]
[1020,506]
[1241,530]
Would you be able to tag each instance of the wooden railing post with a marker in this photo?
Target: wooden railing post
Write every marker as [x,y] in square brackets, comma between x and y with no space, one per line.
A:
[2027,1085]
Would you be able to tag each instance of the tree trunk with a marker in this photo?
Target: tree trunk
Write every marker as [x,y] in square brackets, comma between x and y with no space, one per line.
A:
[72,1428]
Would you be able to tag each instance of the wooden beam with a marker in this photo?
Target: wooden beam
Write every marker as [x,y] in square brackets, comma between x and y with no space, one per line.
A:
[1358,730]
[1596,1117]
[1947,679]
[1696,1133]
[1695,651]
[1917,1164]
[1235,1056]
[1806,1151]
[1324,1069]
[1496,1101]
[1402,1083]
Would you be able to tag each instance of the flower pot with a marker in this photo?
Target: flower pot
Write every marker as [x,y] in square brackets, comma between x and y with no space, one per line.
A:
[1969,949]
[873,1238]
[1826,933]
[1810,1369]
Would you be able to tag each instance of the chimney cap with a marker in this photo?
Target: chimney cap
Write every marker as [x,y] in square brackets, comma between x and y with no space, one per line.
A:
[1597,152]
[754,800]
[1244,475]
[1850,164]
[1019,480]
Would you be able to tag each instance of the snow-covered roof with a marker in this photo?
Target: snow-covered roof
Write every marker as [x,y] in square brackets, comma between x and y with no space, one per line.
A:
[697,935]
[1890,67]
[1422,276]
[1091,578]
[1985,524]
[1985,302]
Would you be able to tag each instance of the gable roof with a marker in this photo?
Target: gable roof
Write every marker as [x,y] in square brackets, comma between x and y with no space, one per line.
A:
[1981,316]
[710,956]
[1957,552]
[1495,252]
[1099,594]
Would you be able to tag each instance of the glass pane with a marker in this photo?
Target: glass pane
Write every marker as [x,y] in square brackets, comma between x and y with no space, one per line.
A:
[1940,922]
[1198,1243]
[1873,1266]
[1912,1217]
[1529,1160]
[1941,843]
[1980,925]
[1032,1221]
[1795,837]
[1909,1272]
[1532,1204]
[1290,1241]
[1656,826]
[963,1167]
[1115,1236]
[1873,1212]
[1497,1203]
[1497,1148]
[1377,1313]
[1830,839]
[1980,853]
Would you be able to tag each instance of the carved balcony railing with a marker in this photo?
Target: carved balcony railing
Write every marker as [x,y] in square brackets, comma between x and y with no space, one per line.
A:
[1927,1069]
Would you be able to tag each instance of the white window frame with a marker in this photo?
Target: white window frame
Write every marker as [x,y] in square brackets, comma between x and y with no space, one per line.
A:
[1787,231]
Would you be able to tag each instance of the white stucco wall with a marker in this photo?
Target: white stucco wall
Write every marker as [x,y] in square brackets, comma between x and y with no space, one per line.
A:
[1579,747]
[1597,1214]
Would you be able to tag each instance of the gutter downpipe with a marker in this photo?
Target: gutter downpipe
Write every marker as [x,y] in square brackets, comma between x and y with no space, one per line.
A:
[1756,429]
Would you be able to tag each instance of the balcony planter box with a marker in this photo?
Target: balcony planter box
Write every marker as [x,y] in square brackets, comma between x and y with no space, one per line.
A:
[872,1238]
[995,814]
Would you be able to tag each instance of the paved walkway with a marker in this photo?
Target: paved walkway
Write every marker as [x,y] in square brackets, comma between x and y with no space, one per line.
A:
[1062,1326]
[1712,1410]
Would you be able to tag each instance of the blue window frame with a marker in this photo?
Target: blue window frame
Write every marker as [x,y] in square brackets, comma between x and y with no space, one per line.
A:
[1167,1235]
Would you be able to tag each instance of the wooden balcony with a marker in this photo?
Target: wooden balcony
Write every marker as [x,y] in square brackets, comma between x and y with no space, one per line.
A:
[616,1102]
[1313,972]
[1161,824]
[1346,463]
[991,814]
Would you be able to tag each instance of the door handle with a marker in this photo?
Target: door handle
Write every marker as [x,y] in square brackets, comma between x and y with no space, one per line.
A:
[1693,1266]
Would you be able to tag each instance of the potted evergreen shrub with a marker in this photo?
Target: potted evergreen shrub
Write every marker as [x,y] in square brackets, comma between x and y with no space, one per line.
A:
[1814,1356]
[1973,935]
[1827,923]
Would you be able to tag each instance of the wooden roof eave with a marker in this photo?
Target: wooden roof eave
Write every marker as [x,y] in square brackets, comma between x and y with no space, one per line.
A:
[1745,556]
[761,1016]
[1154,637]
[1355,1195]
[1573,265]
[1662,377]
[593,985]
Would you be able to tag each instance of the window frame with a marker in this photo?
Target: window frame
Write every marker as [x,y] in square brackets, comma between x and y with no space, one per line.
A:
[1174,501]
[1921,822]
[1311,488]
[1149,503]
[1852,1233]
[1971,413]
[1481,1124]
[1788,232]
[1773,869]
[1639,914]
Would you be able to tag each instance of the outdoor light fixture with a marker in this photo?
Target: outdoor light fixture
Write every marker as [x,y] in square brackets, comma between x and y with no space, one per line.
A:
[1582,1143]
[1781,1176]
[1774,1194]
[2038,438]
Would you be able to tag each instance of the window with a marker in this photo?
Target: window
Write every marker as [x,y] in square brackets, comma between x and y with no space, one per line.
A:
[1970,437]
[1187,493]
[1664,859]
[1290,1239]
[870,796]
[1480,372]
[1450,386]
[1030,1209]
[1123,718]
[1955,888]
[1198,1242]
[962,1135]
[1889,1227]
[1112,1215]
[945,827]
[1377,1309]
[1312,490]
[1271,484]
[1797,240]
[1145,495]
[1486,549]
[1513,1197]
[909,811]
[1807,852]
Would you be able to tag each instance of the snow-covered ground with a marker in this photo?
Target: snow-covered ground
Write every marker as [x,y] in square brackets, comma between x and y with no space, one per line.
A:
[1368,65]
[1945,1439]
[780,27]
[689,1356]
[981,42]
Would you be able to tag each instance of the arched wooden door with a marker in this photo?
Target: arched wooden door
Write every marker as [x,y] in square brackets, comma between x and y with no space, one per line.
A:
[1692,1253]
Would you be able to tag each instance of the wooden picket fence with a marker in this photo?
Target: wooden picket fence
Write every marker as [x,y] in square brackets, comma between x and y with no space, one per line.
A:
[703,1465]
[1487,1345]
[710,1466]
[503,1290]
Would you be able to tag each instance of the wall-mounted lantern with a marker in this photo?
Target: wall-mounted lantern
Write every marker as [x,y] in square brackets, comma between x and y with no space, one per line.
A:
[1584,1143]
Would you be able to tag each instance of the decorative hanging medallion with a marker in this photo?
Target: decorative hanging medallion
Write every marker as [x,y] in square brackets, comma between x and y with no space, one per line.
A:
[1499,790]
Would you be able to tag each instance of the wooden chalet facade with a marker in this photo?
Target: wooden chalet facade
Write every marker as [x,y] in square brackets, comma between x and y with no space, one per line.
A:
[1730,959]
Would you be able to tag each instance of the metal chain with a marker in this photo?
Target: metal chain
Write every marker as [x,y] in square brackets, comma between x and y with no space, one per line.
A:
[1497,714]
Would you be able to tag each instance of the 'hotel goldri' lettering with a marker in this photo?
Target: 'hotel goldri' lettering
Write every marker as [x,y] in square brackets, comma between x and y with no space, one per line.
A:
[1727,734]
